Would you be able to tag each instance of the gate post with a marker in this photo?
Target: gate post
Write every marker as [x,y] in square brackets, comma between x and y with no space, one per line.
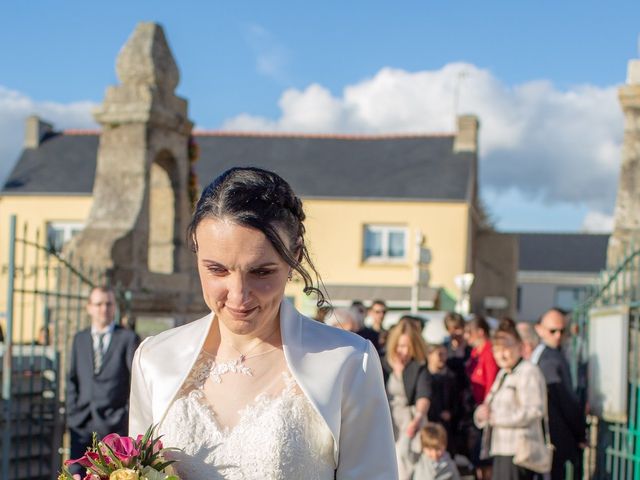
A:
[8,354]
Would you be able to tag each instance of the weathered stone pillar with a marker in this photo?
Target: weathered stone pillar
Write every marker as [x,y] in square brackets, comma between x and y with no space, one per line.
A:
[627,212]
[136,228]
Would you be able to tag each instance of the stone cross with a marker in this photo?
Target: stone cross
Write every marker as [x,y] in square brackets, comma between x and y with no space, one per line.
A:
[141,208]
[627,212]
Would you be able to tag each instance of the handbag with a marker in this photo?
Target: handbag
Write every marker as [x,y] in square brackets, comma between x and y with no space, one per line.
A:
[535,452]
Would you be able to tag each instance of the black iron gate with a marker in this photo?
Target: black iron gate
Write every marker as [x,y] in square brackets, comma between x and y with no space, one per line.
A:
[45,307]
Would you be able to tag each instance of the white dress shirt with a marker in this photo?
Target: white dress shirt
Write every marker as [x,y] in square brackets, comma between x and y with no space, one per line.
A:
[106,340]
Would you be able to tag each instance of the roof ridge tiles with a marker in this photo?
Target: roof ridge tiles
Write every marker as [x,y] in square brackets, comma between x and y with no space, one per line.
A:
[242,133]
[80,131]
[340,136]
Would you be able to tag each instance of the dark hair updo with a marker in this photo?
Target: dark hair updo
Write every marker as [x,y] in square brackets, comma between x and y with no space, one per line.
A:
[260,199]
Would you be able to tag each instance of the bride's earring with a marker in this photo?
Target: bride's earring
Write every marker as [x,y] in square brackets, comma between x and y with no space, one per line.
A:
[290,276]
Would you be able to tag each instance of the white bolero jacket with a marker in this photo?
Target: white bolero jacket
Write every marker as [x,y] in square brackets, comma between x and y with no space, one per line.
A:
[338,371]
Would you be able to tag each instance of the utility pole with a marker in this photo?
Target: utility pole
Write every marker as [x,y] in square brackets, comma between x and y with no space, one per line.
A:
[422,259]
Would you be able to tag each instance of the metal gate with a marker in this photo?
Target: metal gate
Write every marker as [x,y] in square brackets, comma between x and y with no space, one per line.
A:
[614,451]
[45,307]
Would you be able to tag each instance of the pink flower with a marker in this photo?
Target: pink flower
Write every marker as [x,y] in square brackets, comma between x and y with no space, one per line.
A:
[84,460]
[123,447]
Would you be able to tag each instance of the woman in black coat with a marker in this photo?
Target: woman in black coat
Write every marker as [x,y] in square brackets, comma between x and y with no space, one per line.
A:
[408,386]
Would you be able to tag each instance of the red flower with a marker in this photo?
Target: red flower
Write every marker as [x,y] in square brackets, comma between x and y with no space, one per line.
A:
[84,460]
[123,447]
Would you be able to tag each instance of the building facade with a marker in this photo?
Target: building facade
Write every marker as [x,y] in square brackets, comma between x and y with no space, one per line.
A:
[556,270]
[368,198]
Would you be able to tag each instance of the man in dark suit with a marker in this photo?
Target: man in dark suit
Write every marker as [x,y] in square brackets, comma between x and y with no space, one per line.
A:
[99,375]
[566,417]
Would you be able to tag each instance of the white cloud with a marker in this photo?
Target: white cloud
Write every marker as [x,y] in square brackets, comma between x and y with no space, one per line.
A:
[597,222]
[272,58]
[550,144]
[15,107]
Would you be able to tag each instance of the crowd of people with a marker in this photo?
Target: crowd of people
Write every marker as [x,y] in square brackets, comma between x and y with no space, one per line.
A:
[481,401]
[256,390]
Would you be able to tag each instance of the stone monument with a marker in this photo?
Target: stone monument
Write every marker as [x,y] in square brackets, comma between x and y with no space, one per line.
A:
[141,208]
[627,212]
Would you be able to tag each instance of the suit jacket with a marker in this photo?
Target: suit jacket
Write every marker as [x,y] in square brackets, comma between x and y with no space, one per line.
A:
[99,402]
[566,417]
[415,378]
[338,371]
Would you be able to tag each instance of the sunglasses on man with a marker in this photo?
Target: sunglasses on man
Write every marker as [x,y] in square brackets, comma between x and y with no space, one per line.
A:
[553,331]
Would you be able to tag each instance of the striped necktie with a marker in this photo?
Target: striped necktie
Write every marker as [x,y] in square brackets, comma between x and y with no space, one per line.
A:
[98,354]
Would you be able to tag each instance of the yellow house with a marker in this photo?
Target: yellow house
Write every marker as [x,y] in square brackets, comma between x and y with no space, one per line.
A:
[367,199]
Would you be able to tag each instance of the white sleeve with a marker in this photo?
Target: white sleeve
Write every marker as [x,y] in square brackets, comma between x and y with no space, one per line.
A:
[367,449]
[140,412]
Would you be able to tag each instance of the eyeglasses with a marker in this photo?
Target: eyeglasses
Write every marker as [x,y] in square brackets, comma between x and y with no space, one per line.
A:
[553,331]
[102,304]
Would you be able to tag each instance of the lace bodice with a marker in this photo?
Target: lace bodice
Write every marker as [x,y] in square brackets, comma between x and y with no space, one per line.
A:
[277,436]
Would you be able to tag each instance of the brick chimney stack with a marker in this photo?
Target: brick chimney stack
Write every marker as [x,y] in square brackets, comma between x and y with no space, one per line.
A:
[467,135]
[35,131]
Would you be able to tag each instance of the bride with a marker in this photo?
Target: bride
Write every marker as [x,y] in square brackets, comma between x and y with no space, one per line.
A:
[255,390]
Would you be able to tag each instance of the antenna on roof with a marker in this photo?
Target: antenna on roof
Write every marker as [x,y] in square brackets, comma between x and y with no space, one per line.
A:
[462,74]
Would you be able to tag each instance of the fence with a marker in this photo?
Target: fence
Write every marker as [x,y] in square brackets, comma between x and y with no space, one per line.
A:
[45,307]
[614,452]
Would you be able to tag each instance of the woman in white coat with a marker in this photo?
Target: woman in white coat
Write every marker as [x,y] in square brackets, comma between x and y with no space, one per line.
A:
[255,390]
[512,416]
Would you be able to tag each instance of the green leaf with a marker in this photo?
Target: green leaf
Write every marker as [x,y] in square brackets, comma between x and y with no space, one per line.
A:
[99,469]
[164,465]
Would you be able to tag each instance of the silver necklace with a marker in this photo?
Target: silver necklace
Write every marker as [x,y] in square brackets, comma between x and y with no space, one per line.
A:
[217,369]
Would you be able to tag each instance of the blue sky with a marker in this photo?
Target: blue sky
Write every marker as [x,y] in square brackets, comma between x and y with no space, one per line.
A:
[238,60]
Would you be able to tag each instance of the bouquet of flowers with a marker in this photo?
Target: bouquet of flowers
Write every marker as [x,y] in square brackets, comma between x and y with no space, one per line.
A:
[123,458]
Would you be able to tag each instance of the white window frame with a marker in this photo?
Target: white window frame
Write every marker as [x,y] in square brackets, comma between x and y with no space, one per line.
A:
[66,228]
[386,230]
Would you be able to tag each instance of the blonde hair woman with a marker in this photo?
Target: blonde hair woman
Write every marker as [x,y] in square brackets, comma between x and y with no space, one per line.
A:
[408,386]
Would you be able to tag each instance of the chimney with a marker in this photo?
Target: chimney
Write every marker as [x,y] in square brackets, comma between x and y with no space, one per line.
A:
[467,135]
[35,131]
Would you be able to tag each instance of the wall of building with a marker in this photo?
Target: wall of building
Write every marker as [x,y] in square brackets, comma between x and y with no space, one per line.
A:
[496,267]
[35,212]
[538,291]
[335,232]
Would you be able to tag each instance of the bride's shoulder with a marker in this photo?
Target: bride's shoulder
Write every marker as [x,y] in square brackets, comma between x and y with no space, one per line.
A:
[332,338]
[176,337]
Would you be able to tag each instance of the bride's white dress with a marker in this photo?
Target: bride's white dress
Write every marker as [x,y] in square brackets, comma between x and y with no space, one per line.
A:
[277,435]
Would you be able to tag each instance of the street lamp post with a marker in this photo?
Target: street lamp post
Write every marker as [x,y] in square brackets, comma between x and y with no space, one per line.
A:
[464,282]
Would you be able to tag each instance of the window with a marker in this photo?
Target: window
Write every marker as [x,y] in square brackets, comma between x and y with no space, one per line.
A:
[385,243]
[568,297]
[59,233]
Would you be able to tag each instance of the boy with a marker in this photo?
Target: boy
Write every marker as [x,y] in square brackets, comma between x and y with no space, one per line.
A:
[434,463]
